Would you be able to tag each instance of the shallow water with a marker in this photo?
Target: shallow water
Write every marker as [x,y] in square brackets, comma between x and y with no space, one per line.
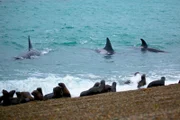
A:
[68,32]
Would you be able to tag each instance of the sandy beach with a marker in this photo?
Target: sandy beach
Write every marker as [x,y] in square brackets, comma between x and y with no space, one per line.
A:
[152,103]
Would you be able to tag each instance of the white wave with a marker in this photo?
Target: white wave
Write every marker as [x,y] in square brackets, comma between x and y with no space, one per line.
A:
[75,84]
[46,51]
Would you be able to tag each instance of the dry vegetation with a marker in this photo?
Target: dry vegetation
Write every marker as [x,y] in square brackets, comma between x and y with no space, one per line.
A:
[153,103]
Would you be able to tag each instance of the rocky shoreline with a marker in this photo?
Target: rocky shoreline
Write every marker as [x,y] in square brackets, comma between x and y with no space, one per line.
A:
[150,103]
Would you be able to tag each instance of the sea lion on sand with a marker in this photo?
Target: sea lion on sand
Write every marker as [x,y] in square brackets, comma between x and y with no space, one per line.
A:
[1,98]
[11,93]
[15,101]
[109,88]
[66,92]
[113,87]
[40,90]
[37,95]
[57,92]
[94,90]
[96,84]
[142,82]
[24,97]
[7,97]
[48,96]
[155,83]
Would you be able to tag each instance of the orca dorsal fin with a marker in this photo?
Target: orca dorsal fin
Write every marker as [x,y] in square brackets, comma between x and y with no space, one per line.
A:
[30,45]
[108,46]
[144,44]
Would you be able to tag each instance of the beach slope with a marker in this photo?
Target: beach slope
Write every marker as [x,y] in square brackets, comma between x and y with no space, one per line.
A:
[152,103]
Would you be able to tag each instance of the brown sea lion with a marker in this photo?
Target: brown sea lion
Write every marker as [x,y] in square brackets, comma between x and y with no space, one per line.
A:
[11,93]
[58,92]
[113,87]
[7,97]
[27,95]
[40,90]
[109,88]
[96,84]
[94,90]
[37,95]
[48,96]
[24,97]
[15,101]
[66,92]
[142,82]
[1,98]
[156,83]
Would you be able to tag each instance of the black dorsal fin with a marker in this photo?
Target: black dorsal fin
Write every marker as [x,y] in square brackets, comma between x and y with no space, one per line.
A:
[108,46]
[30,45]
[144,44]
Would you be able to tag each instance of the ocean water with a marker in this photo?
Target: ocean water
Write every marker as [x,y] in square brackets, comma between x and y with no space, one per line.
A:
[67,32]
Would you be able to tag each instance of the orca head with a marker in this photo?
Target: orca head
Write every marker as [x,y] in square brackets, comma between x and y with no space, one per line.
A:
[108,46]
[30,45]
[144,44]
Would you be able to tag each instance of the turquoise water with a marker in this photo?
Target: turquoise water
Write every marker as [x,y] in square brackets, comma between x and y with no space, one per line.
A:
[68,32]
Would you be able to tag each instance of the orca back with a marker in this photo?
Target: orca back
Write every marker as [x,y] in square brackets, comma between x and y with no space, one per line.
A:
[30,45]
[108,46]
[144,44]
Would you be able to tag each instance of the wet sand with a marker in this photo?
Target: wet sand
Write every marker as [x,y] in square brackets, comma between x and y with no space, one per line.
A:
[152,103]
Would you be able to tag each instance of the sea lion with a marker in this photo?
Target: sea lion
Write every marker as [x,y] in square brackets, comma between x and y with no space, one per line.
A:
[66,92]
[37,95]
[142,82]
[94,90]
[1,98]
[107,88]
[15,101]
[24,97]
[155,83]
[179,82]
[40,90]
[57,92]
[48,96]
[7,96]
[96,84]
[111,88]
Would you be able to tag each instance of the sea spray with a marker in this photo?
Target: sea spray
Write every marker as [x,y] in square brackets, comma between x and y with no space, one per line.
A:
[75,84]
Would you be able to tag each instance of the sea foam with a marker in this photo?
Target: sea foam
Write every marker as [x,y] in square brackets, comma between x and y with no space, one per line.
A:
[75,84]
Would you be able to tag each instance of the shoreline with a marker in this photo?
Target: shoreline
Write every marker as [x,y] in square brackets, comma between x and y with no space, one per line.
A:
[146,103]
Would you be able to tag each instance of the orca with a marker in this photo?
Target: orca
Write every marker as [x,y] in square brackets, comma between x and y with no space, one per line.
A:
[144,47]
[30,53]
[107,50]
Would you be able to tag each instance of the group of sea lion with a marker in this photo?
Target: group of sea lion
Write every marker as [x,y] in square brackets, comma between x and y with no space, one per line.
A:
[99,88]
[155,83]
[62,91]
[24,97]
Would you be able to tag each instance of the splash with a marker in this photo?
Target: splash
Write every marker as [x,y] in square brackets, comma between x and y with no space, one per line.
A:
[75,84]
